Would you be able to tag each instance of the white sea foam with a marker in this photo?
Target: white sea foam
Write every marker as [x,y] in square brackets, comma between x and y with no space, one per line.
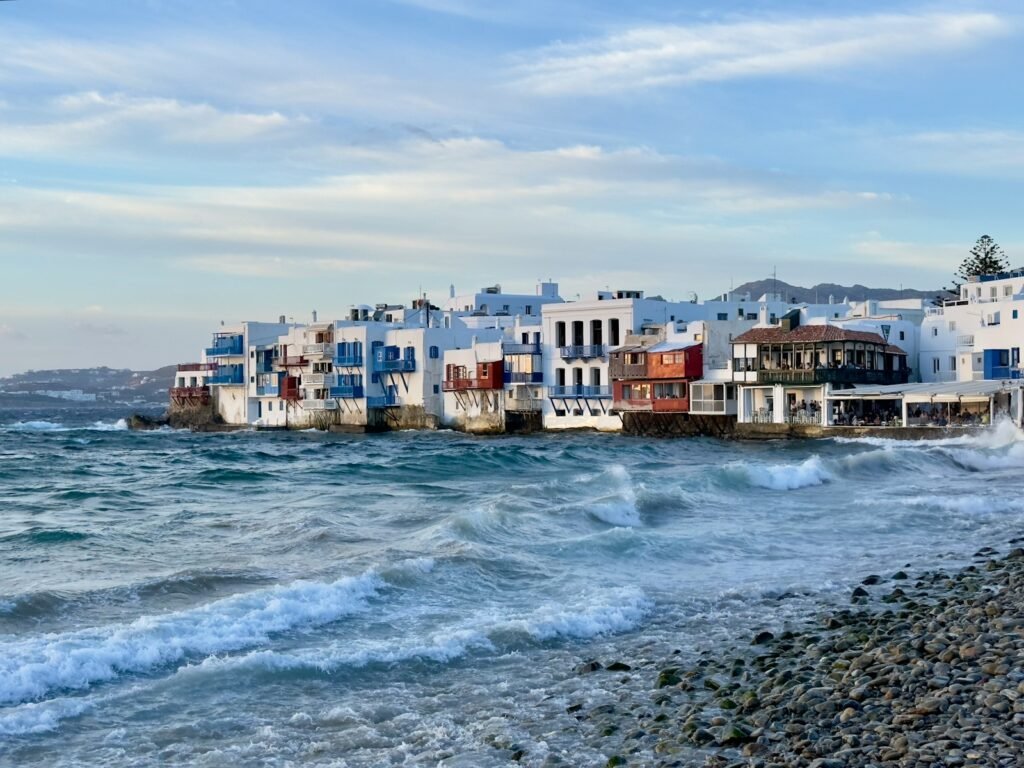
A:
[40,717]
[786,477]
[617,508]
[34,667]
[619,611]
[36,426]
[105,426]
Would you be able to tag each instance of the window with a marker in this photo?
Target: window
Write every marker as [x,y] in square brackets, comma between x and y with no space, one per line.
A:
[1015,314]
[952,325]
[434,353]
[935,365]
[560,376]
[252,379]
[723,315]
[595,377]
[560,334]
[529,309]
[952,363]
[935,331]
[992,292]
[613,332]
[436,389]
[993,318]
[1007,290]
[504,307]
[903,336]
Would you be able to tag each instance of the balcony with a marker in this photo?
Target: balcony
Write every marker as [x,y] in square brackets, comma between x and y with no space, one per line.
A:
[229,379]
[816,376]
[268,391]
[620,370]
[521,349]
[348,361]
[292,361]
[583,351]
[231,346]
[965,340]
[581,390]
[317,349]
[319,405]
[191,393]
[462,385]
[521,377]
[385,401]
[318,379]
[348,392]
[192,367]
[403,365]
[523,404]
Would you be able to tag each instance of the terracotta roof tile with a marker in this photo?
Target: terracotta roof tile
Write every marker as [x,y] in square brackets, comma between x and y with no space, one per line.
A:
[812,333]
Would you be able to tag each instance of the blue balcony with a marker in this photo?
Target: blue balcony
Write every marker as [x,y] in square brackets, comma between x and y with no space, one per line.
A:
[520,377]
[405,365]
[581,390]
[385,401]
[521,349]
[225,345]
[348,361]
[583,351]
[351,391]
[268,391]
[232,378]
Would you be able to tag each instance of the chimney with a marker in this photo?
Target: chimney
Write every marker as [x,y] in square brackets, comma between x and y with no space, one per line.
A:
[280,319]
[314,315]
[762,314]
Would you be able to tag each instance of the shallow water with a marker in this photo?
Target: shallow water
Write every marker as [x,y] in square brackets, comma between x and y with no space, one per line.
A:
[420,598]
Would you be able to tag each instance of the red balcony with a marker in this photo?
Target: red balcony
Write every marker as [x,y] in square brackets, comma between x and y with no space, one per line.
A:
[190,395]
[190,367]
[463,385]
[290,388]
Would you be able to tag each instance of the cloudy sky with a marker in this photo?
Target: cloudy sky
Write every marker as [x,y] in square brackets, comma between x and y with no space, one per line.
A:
[168,164]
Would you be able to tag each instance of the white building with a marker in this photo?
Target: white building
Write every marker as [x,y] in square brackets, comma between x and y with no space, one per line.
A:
[978,336]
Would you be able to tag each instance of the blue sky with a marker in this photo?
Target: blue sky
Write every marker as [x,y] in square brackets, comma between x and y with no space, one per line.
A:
[168,164]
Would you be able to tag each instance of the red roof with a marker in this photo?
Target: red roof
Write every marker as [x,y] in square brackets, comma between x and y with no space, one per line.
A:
[812,333]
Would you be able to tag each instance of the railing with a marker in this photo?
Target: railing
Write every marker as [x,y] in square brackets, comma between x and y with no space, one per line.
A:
[965,340]
[627,370]
[832,376]
[762,416]
[403,365]
[671,405]
[188,367]
[317,379]
[349,361]
[707,406]
[317,349]
[580,390]
[221,350]
[520,377]
[348,391]
[461,385]
[804,418]
[268,391]
[583,351]
[633,404]
[523,404]
[292,361]
[385,401]
[226,378]
[521,349]
[200,392]
[319,405]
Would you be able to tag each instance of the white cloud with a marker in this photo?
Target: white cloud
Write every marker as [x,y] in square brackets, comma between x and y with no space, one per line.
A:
[667,55]
[93,119]
[970,152]
[896,253]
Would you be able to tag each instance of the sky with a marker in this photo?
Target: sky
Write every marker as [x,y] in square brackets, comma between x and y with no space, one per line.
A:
[166,165]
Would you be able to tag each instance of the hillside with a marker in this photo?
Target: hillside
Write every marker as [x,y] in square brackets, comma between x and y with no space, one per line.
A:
[86,387]
[820,293]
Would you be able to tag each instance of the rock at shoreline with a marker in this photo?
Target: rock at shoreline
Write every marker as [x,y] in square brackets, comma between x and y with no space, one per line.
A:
[929,675]
[138,421]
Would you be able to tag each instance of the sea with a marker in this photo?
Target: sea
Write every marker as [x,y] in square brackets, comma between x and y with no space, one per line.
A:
[424,598]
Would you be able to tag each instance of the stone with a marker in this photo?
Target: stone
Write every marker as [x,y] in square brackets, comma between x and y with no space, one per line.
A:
[763,637]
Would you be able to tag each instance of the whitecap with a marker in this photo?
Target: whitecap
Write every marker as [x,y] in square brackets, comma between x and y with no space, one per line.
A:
[785,477]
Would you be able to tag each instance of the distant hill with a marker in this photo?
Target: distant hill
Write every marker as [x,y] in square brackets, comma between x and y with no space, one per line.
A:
[86,387]
[819,294]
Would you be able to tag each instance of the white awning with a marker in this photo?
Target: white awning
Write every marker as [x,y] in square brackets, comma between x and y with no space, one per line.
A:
[934,392]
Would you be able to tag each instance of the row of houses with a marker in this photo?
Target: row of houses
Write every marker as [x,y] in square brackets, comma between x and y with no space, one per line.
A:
[493,361]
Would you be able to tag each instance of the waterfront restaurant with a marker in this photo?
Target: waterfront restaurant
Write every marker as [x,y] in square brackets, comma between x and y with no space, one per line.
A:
[785,371]
[951,404]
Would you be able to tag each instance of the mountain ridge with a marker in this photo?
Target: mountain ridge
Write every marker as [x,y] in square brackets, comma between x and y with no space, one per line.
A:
[819,294]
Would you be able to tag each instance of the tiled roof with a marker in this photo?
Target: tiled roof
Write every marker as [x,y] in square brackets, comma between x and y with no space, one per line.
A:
[812,333]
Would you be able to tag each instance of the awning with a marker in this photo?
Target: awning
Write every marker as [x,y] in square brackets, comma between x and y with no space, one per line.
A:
[932,392]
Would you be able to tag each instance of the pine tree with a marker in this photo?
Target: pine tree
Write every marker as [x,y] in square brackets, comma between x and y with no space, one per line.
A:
[985,258]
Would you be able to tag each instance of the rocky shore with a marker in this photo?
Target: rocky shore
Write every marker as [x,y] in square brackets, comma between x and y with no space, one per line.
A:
[918,671]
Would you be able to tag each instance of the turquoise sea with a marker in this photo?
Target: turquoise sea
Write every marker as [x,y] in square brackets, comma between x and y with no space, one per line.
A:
[276,599]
